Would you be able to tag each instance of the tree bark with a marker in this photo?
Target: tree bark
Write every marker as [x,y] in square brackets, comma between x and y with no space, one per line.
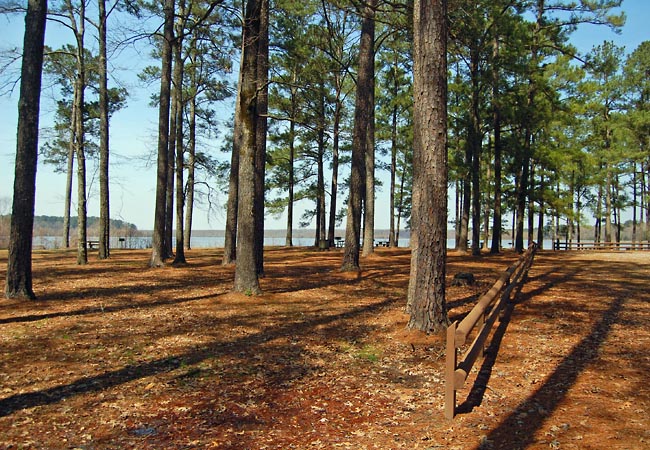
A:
[171,161]
[232,207]
[158,250]
[369,152]
[392,242]
[288,242]
[68,188]
[191,166]
[179,257]
[320,169]
[79,99]
[426,294]
[246,275]
[359,144]
[261,125]
[104,210]
[474,142]
[18,282]
[496,124]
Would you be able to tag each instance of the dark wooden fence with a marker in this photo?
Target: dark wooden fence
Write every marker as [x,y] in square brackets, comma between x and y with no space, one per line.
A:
[481,318]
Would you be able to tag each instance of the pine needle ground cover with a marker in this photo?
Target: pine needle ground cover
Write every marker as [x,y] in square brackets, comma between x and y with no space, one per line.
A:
[116,355]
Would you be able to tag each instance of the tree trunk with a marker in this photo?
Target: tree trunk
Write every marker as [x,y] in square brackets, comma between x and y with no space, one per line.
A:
[80,86]
[179,258]
[19,259]
[369,191]
[634,203]
[522,193]
[475,145]
[320,175]
[292,137]
[68,189]
[608,204]
[496,123]
[393,172]
[261,126]
[400,206]
[486,205]
[426,293]
[463,235]
[246,274]
[645,175]
[359,143]
[171,160]
[104,210]
[531,205]
[158,240]
[191,166]
[540,221]
[230,240]
[331,232]
[599,215]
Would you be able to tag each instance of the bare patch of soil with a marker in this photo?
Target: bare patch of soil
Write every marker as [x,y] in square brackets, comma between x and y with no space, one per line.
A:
[116,355]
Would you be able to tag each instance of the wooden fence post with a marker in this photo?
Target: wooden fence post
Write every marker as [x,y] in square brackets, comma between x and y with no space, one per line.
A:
[450,369]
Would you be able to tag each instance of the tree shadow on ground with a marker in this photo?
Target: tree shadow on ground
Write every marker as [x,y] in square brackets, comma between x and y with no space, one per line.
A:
[17,402]
[106,309]
[520,433]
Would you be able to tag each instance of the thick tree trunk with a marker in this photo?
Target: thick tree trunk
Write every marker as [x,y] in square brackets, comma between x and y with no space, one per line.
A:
[246,271]
[158,241]
[362,117]
[104,209]
[261,126]
[426,293]
[18,282]
[369,194]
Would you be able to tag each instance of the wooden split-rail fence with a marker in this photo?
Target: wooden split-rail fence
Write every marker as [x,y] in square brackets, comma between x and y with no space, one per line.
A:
[601,246]
[481,318]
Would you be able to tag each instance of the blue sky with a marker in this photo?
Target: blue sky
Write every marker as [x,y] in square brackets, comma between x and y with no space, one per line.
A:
[133,130]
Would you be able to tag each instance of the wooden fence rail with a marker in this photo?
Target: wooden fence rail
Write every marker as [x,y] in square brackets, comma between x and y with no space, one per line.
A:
[481,317]
[602,246]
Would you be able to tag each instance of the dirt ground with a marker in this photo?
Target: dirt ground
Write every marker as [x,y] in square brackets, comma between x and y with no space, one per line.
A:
[115,355]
